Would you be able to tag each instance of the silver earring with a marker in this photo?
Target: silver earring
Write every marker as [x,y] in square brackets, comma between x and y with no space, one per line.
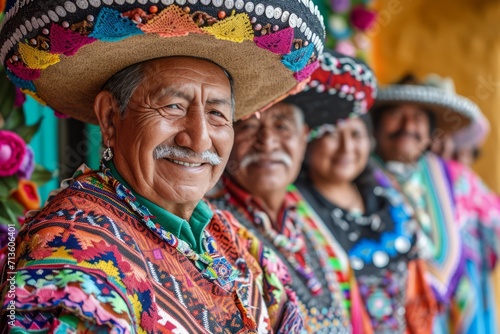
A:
[108,153]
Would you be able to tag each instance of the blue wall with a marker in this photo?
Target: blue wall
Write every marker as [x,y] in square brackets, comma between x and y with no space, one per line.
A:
[46,143]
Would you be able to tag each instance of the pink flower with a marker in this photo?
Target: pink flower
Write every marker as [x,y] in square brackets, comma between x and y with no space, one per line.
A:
[362,18]
[12,151]
[27,165]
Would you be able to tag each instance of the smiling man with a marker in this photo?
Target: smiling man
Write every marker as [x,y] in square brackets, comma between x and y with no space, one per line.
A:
[132,247]
[457,214]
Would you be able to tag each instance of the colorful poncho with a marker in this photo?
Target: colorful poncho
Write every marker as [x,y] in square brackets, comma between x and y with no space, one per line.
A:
[478,214]
[320,277]
[460,229]
[92,261]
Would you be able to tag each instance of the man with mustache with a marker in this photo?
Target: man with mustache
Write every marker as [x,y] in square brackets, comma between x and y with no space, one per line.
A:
[459,218]
[256,188]
[132,247]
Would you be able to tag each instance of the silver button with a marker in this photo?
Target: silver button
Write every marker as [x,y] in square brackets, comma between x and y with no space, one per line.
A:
[356,263]
[277,13]
[380,259]
[70,7]
[249,6]
[83,4]
[270,12]
[303,27]
[285,16]
[353,236]
[260,9]
[292,21]
[239,4]
[402,244]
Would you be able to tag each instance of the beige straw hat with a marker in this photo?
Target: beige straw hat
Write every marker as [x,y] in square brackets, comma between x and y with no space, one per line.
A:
[62,52]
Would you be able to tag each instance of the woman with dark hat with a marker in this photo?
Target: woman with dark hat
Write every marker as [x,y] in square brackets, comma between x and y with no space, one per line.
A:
[367,217]
[132,247]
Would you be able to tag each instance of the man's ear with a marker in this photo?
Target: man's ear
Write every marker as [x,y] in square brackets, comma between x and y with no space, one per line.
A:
[106,108]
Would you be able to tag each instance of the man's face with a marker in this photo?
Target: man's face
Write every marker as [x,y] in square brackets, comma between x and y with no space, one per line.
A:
[403,133]
[342,154]
[181,104]
[268,152]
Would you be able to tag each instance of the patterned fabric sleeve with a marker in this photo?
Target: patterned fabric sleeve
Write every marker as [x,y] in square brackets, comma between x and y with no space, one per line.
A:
[65,282]
[475,202]
[280,299]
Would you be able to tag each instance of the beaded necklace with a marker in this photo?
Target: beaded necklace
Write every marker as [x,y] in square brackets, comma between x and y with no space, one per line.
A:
[212,264]
[329,252]
[294,248]
[337,283]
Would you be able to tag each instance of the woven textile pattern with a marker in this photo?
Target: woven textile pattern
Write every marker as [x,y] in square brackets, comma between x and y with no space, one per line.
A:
[92,262]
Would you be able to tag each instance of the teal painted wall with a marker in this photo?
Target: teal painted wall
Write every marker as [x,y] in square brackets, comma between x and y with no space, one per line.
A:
[44,143]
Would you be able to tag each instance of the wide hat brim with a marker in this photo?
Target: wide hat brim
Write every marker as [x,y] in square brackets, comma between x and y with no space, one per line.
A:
[342,87]
[65,61]
[453,112]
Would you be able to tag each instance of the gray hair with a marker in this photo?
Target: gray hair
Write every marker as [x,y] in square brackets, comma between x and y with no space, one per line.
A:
[124,83]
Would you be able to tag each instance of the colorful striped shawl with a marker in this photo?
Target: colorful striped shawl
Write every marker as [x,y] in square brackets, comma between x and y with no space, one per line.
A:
[429,191]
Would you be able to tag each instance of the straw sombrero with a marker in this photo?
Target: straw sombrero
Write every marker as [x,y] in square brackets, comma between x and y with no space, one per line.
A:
[340,88]
[62,52]
[436,94]
[474,135]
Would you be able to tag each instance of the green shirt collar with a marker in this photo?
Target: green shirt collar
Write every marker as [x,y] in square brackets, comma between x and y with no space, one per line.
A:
[191,232]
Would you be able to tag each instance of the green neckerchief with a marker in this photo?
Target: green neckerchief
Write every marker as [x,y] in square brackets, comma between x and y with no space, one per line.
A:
[191,232]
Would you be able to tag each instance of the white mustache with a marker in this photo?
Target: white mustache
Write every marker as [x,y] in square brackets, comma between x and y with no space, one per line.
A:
[176,152]
[278,156]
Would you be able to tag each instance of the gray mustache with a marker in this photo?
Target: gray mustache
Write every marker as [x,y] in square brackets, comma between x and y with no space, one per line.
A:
[177,152]
[274,156]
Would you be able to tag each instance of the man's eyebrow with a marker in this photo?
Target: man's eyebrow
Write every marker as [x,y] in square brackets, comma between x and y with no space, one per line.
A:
[284,117]
[171,91]
[220,101]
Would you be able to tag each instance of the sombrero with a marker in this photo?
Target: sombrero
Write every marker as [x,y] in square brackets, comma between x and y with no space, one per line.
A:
[340,88]
[474,135]
[62,52]
[437,95]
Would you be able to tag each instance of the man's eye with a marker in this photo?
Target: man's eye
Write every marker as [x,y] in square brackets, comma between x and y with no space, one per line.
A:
[216,113]
[173,106]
